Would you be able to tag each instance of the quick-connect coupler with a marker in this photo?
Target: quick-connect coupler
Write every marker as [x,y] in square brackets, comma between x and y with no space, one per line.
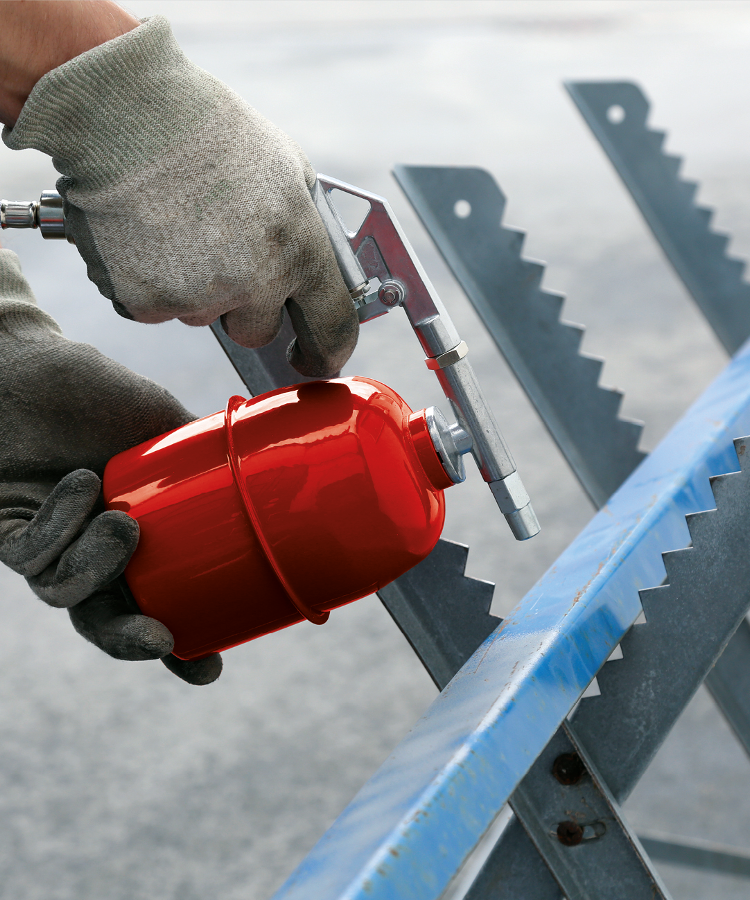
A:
[46,214]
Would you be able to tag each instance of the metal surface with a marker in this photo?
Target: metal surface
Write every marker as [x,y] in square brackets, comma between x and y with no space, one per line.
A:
[46,214]
[696,854]
[349,266]
[383,252]
[265,369]
[434,193]
[442,613]
[688,622]
[451,442]
[729,683]
[50,216]
[448,359]
[714,280]
[391,293]
[415,822]
[580,831]
[18,214]
[617,113]
[524,321]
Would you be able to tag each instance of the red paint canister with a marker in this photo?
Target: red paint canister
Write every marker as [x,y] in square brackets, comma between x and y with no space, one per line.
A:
[278,509]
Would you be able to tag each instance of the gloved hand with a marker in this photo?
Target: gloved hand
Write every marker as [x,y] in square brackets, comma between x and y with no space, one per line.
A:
[66,409]
[185,202]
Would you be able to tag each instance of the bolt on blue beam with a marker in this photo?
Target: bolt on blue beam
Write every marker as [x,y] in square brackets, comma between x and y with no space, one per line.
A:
[414,823]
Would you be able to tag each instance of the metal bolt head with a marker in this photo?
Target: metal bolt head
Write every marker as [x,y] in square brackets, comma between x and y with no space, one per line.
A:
[391,293]
[568,768]
[569,833]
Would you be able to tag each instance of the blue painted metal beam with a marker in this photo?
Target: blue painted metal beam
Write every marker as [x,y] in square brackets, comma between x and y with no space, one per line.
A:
[414,823]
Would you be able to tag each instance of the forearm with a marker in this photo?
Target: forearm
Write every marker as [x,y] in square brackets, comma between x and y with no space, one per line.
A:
[36,37]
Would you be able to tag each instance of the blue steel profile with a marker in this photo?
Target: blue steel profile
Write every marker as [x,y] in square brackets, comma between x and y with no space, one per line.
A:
[417,819]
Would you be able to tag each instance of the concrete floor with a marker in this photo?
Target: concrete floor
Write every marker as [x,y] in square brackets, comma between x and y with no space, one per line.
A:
[117,780]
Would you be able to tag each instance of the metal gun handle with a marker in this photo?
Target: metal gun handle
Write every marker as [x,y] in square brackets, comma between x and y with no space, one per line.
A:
[380,250]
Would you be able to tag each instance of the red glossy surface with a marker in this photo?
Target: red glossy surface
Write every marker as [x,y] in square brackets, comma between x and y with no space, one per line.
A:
[285,507]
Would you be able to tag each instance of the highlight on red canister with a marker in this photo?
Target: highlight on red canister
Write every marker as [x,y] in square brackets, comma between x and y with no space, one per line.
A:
[278,509]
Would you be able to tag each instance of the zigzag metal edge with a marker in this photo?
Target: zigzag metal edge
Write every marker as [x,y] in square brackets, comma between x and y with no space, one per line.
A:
[442,612]
[667,202]
[524,321]
[611,726]
[690,618]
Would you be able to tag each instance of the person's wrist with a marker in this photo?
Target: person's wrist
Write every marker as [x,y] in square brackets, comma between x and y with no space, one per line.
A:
[39,37]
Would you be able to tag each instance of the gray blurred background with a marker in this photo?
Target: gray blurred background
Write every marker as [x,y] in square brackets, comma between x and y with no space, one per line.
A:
[119,781]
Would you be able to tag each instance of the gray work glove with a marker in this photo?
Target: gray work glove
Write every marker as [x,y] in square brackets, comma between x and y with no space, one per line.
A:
[66,409]
[185,202]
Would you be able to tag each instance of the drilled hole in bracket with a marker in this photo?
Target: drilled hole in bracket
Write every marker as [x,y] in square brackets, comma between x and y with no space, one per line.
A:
[462,209]
[616,114]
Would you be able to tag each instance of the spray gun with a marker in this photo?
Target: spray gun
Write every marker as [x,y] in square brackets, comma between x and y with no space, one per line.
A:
[382,273]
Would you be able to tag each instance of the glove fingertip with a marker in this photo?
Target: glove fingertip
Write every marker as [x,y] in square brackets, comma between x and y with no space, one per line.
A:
[129,637]
[148,639]
[82,481]
[326,337]
[113,523]
[195,671]
[312,366]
